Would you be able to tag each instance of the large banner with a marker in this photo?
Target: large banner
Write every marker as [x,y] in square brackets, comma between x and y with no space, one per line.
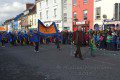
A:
[47,31]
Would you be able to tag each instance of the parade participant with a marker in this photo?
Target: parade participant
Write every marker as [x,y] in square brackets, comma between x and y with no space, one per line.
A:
[92,46]
[25,37]
[57,43]
[36,41]
[77,40]
[118,41]
[86,38]
[109,38]
[102,42]
[58,39]
[0,38]
[3,40]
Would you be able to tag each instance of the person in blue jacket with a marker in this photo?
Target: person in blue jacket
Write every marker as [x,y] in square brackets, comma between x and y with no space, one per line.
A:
[0,38]
[36,41]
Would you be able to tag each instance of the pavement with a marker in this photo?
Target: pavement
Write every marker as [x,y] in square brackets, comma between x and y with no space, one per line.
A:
[22,63]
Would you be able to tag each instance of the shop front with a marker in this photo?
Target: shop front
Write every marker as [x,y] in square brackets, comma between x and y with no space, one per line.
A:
[112,25]
[83,24]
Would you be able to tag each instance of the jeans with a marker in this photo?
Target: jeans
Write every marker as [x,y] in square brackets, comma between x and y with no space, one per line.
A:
[36,46]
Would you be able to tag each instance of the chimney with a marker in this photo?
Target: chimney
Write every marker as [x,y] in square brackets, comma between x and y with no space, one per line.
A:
[28,5]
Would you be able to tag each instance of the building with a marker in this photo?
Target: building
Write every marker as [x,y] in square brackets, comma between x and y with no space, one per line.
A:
[9,25]
[32,18]
[58,11]
[106,13]
[82,11]
[16,22]
[49,11]
[67,15]
[28,19]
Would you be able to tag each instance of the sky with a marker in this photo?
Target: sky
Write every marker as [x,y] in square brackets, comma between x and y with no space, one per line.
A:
[11,8]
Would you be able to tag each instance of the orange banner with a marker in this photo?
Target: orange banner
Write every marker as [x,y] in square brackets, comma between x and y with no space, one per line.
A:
[2,28]
[47,30]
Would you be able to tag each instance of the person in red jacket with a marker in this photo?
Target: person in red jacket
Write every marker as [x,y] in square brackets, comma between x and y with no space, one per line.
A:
[77,40]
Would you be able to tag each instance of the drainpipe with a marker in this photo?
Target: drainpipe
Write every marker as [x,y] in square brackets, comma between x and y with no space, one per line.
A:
[62,14]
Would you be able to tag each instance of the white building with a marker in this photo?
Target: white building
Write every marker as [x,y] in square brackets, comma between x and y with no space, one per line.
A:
[105,9]
[52,10]
[67,15]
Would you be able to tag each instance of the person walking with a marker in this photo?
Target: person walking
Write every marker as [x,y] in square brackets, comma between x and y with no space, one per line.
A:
[77,40]
[92,46]
[36,40]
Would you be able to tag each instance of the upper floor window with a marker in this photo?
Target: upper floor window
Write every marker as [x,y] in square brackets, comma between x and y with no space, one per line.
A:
[54,1]
[40,15]
[65,17]
[47,14]
[40,4]
[65,4]
[85,1]
[74,2]
[97,0]
[55,15]
[75,15]
[85,14]
[117,12]
[98,13]
[47,2]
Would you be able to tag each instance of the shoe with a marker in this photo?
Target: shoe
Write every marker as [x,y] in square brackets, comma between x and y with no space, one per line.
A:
[37,51]
[81,58]
[75,56]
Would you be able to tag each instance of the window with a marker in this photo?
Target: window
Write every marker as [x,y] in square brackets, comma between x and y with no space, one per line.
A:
[47,2]
[65,17]
[98,13]
[85,14]
[54,1]
[97,0]
[57,25]
[55,12]
[85,1]
[47,14]
[40,15]
[75,15]
[117,11]
[40,4]
[74,2]
[65,4]
[30,22]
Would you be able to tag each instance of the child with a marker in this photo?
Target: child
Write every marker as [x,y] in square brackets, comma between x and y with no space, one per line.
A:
[109,38]
[102,42]
[92,46]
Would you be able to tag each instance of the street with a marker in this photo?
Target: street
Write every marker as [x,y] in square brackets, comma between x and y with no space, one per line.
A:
[22,63]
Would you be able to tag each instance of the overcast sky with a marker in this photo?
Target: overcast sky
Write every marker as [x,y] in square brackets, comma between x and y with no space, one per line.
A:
[10,8]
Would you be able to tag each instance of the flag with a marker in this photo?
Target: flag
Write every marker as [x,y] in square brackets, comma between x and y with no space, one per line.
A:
[47,31]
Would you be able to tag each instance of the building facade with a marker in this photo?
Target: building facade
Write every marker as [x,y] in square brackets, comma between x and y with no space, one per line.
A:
[49,11]
[67,15]
[29,19]
[32,18]
[82,11]
[58,11]
[106,12]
